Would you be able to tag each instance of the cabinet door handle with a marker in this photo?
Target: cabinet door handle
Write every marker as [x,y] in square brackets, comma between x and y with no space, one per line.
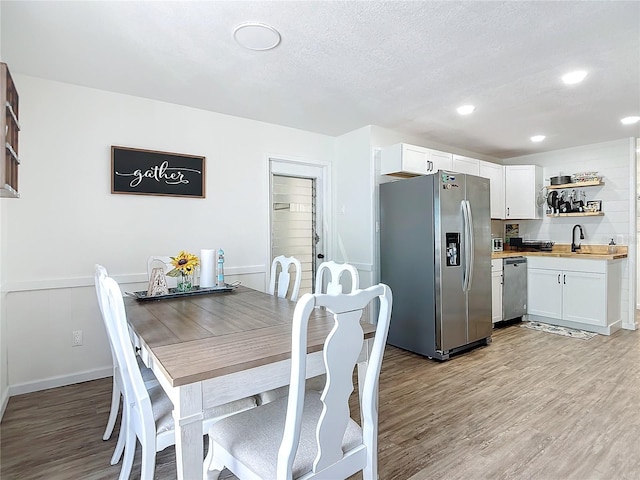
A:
[508,212]
[564,279]
[558,279]
[430,165]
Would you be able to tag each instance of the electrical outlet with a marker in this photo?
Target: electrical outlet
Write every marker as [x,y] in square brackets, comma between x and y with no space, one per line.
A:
[76,338]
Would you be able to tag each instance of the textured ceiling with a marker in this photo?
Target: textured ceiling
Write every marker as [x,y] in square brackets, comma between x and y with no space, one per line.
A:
[405,66]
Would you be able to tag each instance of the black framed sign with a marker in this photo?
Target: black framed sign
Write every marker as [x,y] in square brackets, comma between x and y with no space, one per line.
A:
[147,172]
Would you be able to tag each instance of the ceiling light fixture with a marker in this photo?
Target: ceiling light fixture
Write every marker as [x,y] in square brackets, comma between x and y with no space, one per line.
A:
[572,78]
[537,138]
[466,109]
[630,120]
[256,36]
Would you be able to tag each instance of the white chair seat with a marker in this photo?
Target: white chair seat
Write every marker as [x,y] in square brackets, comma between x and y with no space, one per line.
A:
[264,425]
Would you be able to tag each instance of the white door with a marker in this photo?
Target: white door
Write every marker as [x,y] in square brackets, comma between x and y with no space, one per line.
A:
[297,193]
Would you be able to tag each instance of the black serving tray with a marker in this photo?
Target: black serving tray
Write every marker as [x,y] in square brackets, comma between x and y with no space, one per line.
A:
[173,292]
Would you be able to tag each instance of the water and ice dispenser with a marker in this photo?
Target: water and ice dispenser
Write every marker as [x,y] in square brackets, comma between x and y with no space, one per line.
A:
[453,249]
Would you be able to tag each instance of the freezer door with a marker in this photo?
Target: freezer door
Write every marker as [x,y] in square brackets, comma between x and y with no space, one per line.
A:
[479,293]
[451,308]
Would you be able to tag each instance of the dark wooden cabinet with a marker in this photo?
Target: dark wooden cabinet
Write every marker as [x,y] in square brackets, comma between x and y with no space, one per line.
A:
[10,128]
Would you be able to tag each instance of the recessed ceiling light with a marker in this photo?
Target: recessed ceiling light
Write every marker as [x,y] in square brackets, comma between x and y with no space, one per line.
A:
[537,138]
[256,36]
[574,77]
[466,109]
[630,120]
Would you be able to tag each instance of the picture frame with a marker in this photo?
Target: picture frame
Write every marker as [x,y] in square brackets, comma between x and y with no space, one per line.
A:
[594,206]
[137,171]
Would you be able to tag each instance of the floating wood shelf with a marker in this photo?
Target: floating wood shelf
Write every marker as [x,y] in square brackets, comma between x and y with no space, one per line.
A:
[593,183]
[577,214]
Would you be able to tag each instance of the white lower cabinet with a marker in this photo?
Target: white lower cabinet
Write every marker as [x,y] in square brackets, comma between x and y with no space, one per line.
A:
[496,290]
[577,293]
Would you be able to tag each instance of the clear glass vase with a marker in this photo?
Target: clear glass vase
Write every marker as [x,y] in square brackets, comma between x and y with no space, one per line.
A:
[185,282]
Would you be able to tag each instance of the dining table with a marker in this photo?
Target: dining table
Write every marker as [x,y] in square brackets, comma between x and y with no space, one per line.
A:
[210,349]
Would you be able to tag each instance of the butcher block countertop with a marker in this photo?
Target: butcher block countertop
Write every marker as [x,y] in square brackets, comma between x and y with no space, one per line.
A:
[593,252]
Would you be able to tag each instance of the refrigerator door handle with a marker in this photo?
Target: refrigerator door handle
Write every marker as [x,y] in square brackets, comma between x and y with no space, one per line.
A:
[470,242]
[468,245]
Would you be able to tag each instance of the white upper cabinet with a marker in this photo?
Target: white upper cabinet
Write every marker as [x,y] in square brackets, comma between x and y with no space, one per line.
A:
[521,186]
[495,174]
[439,160]
[470,166]
[404,160]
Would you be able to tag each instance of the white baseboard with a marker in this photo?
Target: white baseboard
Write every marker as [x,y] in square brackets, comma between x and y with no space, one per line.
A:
[60,381]
[3,403]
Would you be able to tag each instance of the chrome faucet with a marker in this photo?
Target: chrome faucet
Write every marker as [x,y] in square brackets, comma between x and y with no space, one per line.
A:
[575,247]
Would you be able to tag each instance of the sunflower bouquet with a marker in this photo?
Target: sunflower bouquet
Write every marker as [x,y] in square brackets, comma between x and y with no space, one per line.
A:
[184,267]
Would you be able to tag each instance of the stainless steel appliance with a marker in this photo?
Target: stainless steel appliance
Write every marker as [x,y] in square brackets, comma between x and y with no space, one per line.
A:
[514,288]
[435,254]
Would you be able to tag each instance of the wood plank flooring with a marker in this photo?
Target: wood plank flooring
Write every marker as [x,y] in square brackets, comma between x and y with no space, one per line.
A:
[531,405]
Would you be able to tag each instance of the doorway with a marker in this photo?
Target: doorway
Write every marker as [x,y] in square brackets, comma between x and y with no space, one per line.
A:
[297,193]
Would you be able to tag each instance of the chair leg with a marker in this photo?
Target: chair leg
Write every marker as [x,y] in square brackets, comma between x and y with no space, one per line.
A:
[113,413]
[129,452]
[209,470]
[122,438]
[148,463]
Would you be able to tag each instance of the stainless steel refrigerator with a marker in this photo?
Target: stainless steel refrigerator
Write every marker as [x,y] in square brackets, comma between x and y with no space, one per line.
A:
[435,254]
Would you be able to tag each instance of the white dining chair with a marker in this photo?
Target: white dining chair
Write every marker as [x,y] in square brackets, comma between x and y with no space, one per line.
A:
[147,413]
[282,264]
[333,286]
[337,270]
[117,389]
[156,261]
[311,434]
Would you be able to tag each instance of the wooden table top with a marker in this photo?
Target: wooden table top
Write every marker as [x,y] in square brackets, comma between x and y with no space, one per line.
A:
[199,337]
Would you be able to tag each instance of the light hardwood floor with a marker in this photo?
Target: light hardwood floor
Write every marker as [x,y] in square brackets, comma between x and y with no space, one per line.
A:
[531,405]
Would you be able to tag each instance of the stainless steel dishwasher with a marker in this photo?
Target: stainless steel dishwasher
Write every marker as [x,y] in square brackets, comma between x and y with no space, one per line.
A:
[514,288]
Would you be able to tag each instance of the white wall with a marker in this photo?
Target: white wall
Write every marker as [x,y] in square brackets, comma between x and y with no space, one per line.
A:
[353,203]
[67,219]
[3,336]
[637,221]
[616,162]
[4,382]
